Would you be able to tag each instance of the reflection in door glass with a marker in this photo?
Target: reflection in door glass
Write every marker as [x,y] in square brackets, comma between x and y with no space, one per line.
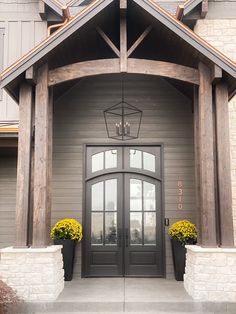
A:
[150,228]
[97,196]
[135,158]
[149,196]
[136,228]
[111,194]
[110,228]
[135,194]
[97,162]
[149,162]
[97,229]
[111,159]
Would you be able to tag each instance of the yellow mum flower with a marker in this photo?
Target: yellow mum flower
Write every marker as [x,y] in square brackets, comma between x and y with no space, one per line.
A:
[183,231]
[67,229]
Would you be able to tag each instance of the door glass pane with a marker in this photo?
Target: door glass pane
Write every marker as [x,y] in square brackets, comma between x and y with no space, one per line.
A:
[135,228]
[97,162]
[149,162]
[111,159]
[150,228]
[135,158]
[149,196]
[111,194]
[110,228]
[135,194]
[97,196]
[97,229]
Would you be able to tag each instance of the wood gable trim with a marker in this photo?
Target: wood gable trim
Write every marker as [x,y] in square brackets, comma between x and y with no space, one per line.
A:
[89,12]
[52,41]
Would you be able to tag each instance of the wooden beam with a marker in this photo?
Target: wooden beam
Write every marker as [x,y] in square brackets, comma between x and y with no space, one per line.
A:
[223,165]
[42,9]
[42,161]
[123,4]
[30,75]
[197,163]
[216,73]
[164,69]
[123,43]
[108,41]
[179,12]
[139,40]
[206,157]
[83,69]
[204,8]
[109,66]
[23,165]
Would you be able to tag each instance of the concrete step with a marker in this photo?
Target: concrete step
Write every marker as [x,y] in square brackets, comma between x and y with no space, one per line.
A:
[125,307]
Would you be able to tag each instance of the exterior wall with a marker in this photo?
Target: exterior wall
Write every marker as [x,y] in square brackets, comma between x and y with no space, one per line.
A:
[7,200]
[222,35]
[23,30]
[78,119]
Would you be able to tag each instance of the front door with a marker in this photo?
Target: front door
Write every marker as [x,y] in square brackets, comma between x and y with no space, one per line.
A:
[123,212]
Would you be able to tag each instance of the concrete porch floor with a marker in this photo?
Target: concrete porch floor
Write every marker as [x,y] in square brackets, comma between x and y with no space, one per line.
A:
[131,295]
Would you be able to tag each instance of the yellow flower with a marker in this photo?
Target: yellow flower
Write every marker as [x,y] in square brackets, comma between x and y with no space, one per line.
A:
[184,231]
[67,228]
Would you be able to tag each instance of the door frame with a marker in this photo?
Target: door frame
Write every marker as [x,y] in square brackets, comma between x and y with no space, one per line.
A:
[162,178]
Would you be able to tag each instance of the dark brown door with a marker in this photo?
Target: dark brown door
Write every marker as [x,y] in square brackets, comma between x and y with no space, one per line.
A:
[123,221]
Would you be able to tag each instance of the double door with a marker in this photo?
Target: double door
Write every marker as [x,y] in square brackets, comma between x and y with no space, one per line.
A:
[123,219]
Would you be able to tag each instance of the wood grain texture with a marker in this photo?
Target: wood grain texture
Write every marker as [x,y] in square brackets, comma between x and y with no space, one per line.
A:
[207,156]
[23,165]
[110,66]
[123,42]
[223,164]
[42,210]
[197,164]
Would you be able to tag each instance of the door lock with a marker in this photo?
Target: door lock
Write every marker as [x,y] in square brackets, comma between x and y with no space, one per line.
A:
[167,222]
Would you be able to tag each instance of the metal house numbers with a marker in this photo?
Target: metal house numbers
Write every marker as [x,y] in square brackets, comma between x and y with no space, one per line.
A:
[180,194]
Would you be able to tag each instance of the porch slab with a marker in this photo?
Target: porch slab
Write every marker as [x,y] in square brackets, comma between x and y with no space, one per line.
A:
[129,295]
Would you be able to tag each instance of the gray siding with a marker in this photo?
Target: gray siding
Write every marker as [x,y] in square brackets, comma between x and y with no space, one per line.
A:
[167,118]
[24,29]
[7,200]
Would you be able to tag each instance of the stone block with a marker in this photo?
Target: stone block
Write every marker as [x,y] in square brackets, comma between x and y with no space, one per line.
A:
[26,270]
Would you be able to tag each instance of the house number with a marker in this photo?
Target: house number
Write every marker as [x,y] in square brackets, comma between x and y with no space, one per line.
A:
[180,194]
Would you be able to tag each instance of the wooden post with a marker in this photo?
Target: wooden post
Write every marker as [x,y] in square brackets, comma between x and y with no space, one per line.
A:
[206,159]
[42,161]
[123,36]
[23,165]
[197,163]
[223,165]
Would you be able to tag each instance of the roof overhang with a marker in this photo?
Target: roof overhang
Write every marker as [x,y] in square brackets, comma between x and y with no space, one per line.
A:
[15,71]
[55,5]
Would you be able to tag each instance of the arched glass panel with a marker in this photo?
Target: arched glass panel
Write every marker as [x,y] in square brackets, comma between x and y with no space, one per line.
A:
[135,158]
[97,162]
[111,159]
[149,162]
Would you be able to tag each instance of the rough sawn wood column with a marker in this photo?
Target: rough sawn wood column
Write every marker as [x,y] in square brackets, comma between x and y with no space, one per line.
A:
[42,161]
[23,165]
[223,165]
[206,159]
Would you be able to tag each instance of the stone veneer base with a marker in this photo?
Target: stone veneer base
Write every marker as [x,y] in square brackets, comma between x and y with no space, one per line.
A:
[210,273]
[36,274]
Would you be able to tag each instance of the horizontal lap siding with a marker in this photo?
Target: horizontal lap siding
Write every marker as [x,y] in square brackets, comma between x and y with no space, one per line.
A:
[167,118]
[7,200]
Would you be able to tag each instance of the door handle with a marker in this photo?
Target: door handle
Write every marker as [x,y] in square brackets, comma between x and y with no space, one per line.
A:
[119,237]
[126,237]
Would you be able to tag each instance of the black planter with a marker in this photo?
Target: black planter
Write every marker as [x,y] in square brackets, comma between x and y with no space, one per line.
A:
[179,259]
[68,253]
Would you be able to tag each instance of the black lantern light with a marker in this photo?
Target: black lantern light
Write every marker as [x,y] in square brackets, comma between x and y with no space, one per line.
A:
[123,120]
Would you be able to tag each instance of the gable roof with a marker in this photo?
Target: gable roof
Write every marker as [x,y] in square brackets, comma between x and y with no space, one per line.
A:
[90,11]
